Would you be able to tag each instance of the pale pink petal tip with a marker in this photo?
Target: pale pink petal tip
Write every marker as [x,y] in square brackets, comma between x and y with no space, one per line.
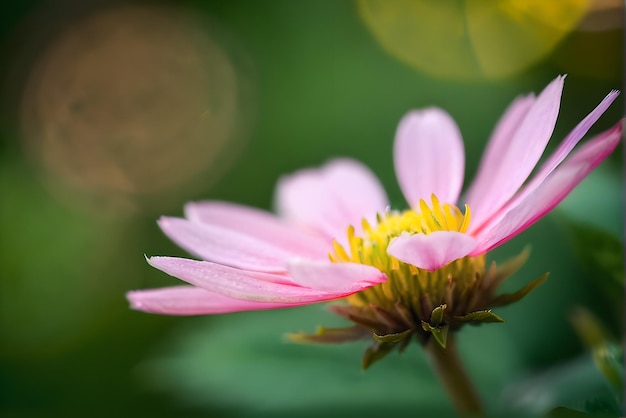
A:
[190,300]
[334,277]
[433,251]
[225,246]
[429,156]
[255,224]
[328,199]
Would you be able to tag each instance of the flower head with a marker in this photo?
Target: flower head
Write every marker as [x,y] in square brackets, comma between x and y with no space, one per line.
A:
[419,272]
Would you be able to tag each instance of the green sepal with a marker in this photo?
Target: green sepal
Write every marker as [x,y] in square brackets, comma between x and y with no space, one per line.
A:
[374,353]
[392,338]
[436,316]
[330,335]
[508,298]
[439,333]
[495,275]
[479,317]
[602,254]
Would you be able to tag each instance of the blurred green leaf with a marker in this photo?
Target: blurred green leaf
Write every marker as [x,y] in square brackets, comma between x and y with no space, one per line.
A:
[606,354]
[601,254]
[607,358]
[562,412]
[600,251]
[577,385]
[56,285]
[230,360]
[597,201]
[598,48]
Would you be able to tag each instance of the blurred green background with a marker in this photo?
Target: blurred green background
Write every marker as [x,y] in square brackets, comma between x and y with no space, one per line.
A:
[114,113]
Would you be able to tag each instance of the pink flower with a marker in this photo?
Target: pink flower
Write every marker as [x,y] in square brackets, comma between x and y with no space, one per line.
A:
[254,260]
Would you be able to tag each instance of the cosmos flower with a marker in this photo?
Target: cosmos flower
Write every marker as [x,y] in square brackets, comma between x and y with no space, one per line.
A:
[420,271]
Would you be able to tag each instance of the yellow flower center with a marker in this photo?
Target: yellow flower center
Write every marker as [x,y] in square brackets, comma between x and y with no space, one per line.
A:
[418,290]
[414,301]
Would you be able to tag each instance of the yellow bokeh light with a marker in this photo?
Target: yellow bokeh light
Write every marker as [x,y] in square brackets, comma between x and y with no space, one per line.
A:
[471,39]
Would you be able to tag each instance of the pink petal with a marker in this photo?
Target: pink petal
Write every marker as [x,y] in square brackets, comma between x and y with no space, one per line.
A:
[429,156]
[432,251]
[331,198]
[500,176]
[551,191]
[574,137]
[334,277]
[225,246]
[258,224]
[557,157]
[240,284]
[497,146]
[191,300]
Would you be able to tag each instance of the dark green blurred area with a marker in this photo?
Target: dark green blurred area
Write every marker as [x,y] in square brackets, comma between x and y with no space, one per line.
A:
[313,84]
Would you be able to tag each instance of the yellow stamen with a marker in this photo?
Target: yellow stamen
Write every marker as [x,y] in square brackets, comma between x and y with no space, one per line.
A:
[408,284]
[340,252]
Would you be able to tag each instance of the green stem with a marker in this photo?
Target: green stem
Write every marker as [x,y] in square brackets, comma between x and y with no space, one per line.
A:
[450,371]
